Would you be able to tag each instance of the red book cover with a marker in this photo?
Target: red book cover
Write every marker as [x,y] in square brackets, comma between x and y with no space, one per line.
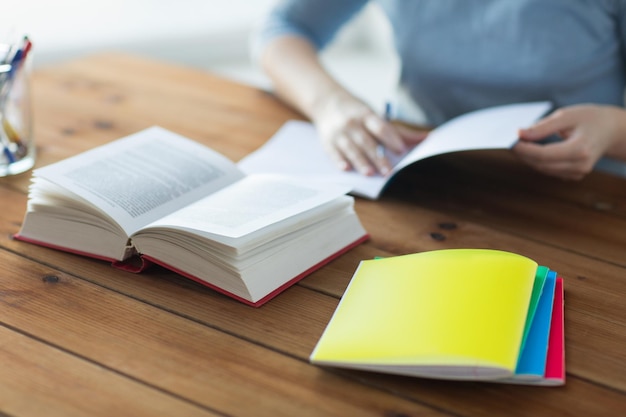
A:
[141,263]
[555,364]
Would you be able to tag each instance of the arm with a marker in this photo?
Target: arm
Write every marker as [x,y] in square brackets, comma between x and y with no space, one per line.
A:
[589,132]
[350,131]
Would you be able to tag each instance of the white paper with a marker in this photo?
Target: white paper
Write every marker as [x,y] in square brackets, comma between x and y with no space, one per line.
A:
[297,151]
[255,202]
[140,178]
[492,128]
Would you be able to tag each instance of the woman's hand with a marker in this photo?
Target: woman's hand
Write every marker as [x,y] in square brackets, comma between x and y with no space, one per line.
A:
[588,133]
[353,135]
[350,131]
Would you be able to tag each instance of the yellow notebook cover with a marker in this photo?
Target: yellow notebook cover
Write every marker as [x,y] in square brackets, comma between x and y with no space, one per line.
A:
[454,314]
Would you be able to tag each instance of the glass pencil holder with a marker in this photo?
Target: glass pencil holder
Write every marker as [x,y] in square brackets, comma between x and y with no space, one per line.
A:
[16,131]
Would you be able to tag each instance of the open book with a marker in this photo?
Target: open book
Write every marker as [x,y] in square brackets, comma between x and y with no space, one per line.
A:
[297,151]
[465,314]
[160,197]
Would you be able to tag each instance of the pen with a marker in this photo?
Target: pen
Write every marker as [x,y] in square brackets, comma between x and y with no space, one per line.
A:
[5,70]
[380,148]
[6,149]
[27,45]
[8,68]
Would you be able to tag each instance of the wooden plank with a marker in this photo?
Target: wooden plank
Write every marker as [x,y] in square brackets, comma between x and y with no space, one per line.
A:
[586,279]
[108,97]
[85,103]
[598,192]
[190,360]
[517,210]
[57,383]
[293,322]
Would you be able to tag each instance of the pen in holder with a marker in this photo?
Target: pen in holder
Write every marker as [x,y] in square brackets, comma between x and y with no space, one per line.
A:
[16,136]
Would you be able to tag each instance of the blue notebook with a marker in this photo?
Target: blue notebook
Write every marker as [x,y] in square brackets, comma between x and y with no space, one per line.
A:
[532,361]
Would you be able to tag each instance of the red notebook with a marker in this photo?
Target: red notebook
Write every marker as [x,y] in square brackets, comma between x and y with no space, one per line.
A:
[555,364]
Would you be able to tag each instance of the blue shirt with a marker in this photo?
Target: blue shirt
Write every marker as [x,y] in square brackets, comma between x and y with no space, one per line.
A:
[461,55]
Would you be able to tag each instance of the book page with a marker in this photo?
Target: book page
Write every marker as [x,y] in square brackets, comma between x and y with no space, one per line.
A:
[296,149]
[142,177]
[491,128]
[253,203]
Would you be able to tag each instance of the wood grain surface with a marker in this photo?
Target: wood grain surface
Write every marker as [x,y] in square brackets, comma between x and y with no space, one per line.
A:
[80,338]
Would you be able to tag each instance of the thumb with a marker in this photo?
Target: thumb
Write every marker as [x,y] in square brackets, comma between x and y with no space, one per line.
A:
[550,125]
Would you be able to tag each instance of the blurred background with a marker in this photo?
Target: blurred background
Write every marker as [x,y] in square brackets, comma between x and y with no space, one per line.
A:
[211,35]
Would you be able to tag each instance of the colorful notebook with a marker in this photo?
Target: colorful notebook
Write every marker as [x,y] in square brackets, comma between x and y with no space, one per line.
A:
[534,361]
[467,314]
[555,363]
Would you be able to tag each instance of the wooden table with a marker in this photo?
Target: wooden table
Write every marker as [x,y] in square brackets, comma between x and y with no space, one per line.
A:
[79,338]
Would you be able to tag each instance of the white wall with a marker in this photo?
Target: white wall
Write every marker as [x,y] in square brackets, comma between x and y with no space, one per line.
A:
[170,28]
[208,34]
